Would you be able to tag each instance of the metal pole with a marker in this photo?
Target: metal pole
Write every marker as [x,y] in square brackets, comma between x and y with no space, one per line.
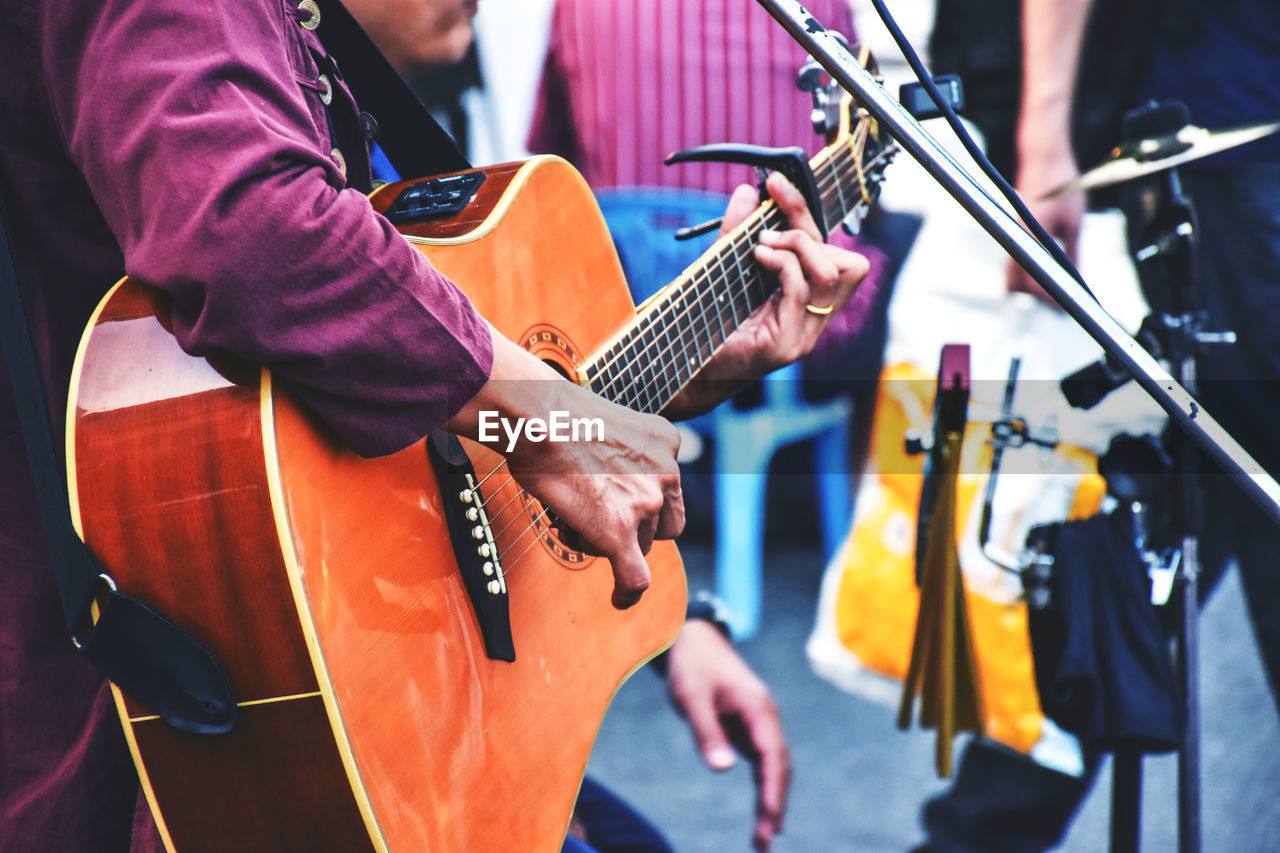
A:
[1190,416]
[1126,801]
[1188,674]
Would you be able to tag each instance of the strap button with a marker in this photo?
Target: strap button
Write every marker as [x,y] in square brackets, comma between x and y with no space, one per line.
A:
[309,14]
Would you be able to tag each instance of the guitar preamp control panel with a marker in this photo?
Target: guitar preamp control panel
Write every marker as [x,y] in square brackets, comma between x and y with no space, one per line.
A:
[434,197]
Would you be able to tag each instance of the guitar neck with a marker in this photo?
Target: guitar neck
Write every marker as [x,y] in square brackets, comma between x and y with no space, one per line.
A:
[679,330]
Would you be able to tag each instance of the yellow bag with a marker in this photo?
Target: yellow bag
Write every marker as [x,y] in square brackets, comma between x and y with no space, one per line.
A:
[867,607]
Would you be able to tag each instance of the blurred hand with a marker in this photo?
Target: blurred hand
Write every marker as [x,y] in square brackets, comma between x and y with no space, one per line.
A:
[729,708]
[1060,216]
[810,273]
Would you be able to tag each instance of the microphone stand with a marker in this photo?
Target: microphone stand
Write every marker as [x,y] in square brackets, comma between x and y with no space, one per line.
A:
[1169,394]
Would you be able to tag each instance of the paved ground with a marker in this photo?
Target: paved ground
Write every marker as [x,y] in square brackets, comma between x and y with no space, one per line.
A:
[859,781]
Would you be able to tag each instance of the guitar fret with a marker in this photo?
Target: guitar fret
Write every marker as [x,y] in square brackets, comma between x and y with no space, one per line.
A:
[699,314]
[723,287]
[672,374]
[662,359]
[717,301]
[629,389]
[688,344]
[711,321]
[647,366]
[738,293]
[647,370]
[842,212]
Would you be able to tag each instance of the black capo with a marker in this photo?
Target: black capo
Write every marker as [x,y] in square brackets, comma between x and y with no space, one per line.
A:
[791,162]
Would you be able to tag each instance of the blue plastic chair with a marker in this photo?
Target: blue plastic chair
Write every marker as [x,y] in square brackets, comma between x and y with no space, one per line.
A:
[643,223]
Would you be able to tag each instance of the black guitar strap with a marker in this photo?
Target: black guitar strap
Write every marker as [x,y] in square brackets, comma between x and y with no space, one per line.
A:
[413,141]
[140,650]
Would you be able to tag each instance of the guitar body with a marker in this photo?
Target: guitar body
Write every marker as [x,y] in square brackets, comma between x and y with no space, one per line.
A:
[370,716]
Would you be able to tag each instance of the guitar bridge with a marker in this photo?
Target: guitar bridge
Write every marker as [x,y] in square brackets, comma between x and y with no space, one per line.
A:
[474,548]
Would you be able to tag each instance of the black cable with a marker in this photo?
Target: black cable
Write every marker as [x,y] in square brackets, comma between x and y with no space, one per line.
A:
[1037,230]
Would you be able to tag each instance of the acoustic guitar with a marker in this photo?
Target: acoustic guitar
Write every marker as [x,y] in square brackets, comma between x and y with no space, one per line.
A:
[421,663]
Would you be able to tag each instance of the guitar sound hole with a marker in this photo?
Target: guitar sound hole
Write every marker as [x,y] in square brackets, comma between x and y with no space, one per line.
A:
[551,538]
[557,367]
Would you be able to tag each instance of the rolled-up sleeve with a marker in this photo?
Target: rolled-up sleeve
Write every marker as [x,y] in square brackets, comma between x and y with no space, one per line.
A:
[199,129]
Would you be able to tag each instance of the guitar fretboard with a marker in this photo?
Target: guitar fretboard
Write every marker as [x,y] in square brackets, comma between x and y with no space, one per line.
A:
[686,323]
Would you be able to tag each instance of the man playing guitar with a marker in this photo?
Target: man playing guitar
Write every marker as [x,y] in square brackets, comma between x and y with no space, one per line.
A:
[211,151]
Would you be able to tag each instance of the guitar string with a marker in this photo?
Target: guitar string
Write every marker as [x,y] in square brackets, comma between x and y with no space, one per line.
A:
[486,477]
[750,229]
[747,281]
[678,297]
[515,561]
[493,516]
[645,348]
[509,563]
[832,181]
[658,369]
[855,144]
[829,158]
[856,140]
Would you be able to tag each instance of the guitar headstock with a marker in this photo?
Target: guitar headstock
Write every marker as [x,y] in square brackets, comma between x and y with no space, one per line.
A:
[834,113]
[846,126]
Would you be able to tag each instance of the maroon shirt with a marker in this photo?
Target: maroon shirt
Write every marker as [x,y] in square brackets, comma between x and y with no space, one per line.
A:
[186,144]
[627,82]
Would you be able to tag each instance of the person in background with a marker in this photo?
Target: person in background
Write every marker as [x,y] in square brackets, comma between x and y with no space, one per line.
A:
[999,800]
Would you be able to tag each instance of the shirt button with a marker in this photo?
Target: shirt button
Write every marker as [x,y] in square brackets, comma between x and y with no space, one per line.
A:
[340,160]
[309,14]
[326,90]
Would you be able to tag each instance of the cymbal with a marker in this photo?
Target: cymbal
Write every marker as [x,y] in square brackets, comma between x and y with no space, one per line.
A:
[1148,156]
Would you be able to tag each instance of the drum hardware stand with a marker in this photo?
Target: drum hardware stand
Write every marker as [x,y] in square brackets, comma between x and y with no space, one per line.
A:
[1176,337]
[1032,564]
[1168,251]
[1012,431]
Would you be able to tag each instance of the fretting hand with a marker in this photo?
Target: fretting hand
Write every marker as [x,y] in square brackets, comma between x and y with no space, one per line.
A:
[815,280]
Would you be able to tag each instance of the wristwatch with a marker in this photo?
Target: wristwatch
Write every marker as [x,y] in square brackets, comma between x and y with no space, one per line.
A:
[708,608]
